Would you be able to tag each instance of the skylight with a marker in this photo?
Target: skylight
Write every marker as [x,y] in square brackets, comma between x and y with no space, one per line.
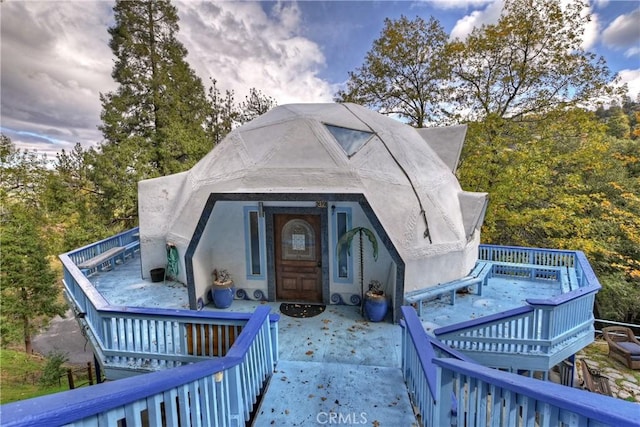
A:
[351,140]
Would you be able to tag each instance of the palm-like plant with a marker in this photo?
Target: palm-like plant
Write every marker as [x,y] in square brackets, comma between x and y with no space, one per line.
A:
[347,238]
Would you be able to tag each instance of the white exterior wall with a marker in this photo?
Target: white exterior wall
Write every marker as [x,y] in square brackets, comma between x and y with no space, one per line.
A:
[156,200]
[290,151]
[223,246]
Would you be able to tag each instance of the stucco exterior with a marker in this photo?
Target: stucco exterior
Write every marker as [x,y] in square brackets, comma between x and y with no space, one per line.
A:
[395,183]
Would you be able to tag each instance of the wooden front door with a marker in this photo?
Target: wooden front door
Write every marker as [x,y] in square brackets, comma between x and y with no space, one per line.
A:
[298,257]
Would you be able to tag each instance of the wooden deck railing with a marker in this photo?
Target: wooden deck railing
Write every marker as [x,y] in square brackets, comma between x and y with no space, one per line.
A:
[217,392]
[146,339]
[540,334]
[449,390]
[522,255]
[236,353]
[126,240]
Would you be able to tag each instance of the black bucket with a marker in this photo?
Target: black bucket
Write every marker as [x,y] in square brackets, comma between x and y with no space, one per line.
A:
[157,275]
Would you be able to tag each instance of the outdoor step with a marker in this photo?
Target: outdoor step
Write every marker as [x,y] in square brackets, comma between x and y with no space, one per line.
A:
[312,393]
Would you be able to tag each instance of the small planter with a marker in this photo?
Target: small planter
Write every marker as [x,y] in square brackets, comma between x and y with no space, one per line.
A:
[157,275]
[375,306]
[222,294]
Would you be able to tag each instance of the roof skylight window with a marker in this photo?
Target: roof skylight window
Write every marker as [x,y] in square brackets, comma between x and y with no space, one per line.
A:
[351,140]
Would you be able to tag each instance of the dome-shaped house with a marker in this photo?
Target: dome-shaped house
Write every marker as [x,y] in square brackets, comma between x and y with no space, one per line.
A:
[269,203]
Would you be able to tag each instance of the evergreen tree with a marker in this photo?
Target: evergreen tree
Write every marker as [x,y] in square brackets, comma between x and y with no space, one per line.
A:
[29,293]
[154,122]
[28,286]
[255,104]
[223,113]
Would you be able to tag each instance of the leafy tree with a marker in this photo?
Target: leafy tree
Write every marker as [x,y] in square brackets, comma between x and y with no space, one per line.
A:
[530,62]
[154,123]
[54,369]
[564,183]
[405,72]
[225,114]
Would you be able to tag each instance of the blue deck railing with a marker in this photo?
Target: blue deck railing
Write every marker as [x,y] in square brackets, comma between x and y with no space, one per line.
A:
[449,390]
[540,334]
[217,392]
[146,339]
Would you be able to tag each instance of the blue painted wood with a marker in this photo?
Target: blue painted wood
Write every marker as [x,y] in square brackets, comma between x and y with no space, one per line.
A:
[523,255]
[430,383]
[127,398]
[147,339]
[478,276]
[556,401]
[542,333]
[481,321]
[85,253]
[485,396]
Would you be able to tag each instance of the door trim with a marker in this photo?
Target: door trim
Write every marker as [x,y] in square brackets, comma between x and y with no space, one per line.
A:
[269,212]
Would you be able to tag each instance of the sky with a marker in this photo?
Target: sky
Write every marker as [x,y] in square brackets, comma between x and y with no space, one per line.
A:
[55,58]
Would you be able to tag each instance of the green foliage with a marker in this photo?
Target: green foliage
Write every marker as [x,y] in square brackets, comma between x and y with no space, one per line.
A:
[223,113]
[561,182]
[54,369]
[154,123]
[255,104]
[159,121]
[619,299]
[530,62]
[404,73]
[346,240]
[20,373]
[23,174]
[28,284]
[28,288]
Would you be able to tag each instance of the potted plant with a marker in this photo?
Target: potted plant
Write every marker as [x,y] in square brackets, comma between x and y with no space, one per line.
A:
[345,240]
[222,289]
[375,302]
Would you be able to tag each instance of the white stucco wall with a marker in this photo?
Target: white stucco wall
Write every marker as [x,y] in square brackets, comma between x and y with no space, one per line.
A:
[156,199]
[289,150]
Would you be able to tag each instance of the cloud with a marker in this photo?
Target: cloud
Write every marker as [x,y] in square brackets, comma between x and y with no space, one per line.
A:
[242,45]
[59,62]
[632,79]
[491,14]
[624,33]
[457,4]
[591,28]
[487,16]
[600,4]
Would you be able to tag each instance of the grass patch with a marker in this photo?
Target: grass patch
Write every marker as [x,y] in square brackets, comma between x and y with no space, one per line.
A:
[20,374]
[598,352]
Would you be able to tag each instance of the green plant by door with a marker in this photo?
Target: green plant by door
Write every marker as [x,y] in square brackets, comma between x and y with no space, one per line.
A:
[347,239]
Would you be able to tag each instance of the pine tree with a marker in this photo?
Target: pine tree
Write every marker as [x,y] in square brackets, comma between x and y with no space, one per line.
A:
[29,294]
[154,122]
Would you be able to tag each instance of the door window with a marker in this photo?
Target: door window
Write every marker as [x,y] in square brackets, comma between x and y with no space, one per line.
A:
[298,241]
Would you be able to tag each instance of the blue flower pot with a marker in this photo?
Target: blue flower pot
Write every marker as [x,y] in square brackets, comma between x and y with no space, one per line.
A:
[222,296]
[375,307]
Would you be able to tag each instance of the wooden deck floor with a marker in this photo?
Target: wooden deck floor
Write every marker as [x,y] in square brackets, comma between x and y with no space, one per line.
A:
[338,366]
